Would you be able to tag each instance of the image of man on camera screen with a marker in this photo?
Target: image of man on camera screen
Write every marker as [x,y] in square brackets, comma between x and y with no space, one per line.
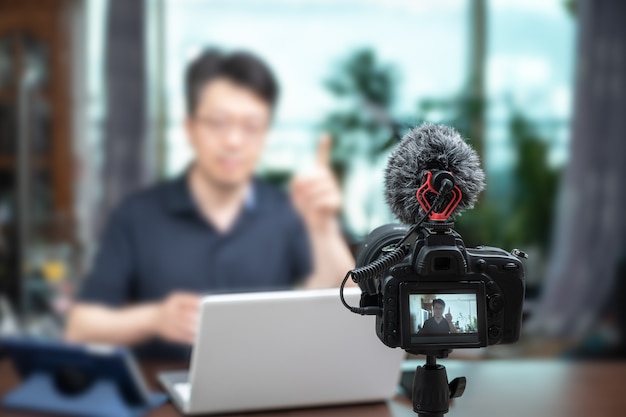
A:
[438,323]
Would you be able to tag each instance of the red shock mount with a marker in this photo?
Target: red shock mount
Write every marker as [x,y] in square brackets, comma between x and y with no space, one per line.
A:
[428,192]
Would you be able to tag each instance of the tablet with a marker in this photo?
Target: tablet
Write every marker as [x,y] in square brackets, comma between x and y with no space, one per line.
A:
[74,368]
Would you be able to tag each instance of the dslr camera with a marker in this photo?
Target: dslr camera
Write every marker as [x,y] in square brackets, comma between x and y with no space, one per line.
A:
[428,291]
[442,295]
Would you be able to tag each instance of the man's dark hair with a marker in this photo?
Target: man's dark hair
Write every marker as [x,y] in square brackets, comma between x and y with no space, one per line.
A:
[439,301]
[242,68]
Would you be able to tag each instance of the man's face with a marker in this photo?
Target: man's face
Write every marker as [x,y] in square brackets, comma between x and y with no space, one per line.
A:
[438,310]
[227,132]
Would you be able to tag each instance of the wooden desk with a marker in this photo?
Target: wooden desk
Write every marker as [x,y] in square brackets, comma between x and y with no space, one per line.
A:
[525,388]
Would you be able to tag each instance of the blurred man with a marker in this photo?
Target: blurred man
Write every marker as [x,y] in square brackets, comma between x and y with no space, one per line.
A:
[438,324]
[217,228]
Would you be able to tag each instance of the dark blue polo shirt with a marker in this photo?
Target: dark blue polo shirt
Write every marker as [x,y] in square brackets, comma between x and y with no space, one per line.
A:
[157,242]
[432,327]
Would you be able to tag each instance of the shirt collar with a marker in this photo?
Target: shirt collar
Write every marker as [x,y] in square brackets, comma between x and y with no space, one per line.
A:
[180,199]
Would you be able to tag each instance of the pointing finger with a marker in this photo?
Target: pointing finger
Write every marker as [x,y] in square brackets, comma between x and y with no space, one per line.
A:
[323,150]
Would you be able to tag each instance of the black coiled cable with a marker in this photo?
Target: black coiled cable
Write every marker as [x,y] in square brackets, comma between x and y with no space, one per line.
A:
[380,265]
[370,271]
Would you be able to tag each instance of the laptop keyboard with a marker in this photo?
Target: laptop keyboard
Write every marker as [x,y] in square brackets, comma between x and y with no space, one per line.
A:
[183,389]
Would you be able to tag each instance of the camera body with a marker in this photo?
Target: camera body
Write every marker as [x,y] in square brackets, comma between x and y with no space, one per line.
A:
[484,285]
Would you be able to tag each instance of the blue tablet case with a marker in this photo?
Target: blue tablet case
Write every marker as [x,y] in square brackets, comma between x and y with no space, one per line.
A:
[116,389]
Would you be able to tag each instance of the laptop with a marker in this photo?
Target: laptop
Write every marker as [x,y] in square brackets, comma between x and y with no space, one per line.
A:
[287,349]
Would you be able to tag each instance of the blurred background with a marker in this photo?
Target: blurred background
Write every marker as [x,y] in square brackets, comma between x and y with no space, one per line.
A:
[92,108]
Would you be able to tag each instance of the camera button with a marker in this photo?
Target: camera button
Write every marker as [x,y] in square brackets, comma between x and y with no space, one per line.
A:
[391,314]
[391,302]
[496,302]
[510,266]
[481,265]
[495,332]
[391,339]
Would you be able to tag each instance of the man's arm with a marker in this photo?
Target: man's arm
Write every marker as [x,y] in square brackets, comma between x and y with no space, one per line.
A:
[95,323]
[101,313]
[174,319]
[317,198]
[331,257]
[448,318]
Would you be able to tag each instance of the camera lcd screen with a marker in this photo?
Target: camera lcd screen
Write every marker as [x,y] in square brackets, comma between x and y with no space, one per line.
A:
[443,318]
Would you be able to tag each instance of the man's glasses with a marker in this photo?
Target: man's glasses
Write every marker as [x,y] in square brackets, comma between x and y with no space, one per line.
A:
[220,127]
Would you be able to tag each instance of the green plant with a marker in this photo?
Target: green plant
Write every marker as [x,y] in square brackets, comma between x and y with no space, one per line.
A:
[365,90]
[534,186]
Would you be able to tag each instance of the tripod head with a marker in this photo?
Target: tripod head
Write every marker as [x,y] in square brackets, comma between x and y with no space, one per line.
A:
[432,392]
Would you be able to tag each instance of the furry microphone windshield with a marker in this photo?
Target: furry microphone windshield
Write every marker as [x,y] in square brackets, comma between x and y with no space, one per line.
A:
[425,148]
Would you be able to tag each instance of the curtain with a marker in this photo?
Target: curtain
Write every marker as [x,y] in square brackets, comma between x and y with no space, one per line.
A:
[589,235]
[125,141]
